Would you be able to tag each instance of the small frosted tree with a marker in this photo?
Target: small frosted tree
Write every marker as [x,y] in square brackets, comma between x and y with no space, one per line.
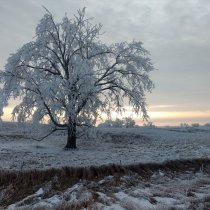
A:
[117,123]
[126,122]
[67,77]
[129,122]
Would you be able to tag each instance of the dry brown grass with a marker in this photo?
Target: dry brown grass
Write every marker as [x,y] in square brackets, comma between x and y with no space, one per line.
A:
[203,204]
[15,185]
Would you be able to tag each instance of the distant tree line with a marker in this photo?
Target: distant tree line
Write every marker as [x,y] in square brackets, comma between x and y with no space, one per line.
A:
[126,122]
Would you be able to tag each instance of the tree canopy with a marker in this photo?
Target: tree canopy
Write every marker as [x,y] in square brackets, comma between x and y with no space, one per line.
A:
[68,77]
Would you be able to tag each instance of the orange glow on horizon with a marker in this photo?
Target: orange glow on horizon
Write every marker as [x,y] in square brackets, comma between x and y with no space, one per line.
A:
[181,114]
[161,118]
[7,114]
[157,117]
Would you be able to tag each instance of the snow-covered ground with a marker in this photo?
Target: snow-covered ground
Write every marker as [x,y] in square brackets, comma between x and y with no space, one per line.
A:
[111,145]
[163,190]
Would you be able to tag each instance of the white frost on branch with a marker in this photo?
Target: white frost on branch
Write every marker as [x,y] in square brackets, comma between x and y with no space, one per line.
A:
[67,76]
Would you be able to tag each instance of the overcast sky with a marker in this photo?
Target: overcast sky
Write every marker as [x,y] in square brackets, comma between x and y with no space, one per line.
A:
[176,32]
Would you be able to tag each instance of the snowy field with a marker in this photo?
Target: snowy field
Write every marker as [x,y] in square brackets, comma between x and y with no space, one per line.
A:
[111,145]
[161,190]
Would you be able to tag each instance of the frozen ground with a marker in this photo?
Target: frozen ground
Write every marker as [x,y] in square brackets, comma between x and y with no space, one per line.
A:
[163,191]
[113,145]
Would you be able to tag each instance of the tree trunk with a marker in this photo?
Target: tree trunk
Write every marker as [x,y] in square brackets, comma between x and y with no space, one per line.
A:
[71,139]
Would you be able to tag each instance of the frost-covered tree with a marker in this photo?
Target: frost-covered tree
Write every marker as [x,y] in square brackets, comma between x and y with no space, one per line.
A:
[68,77]
[117,123]
[126,122]
[129,122]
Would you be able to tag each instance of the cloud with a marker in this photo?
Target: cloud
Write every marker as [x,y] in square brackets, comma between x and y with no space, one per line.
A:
[177,33]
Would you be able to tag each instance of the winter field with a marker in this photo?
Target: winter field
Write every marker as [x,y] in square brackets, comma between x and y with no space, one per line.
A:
[113,168]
